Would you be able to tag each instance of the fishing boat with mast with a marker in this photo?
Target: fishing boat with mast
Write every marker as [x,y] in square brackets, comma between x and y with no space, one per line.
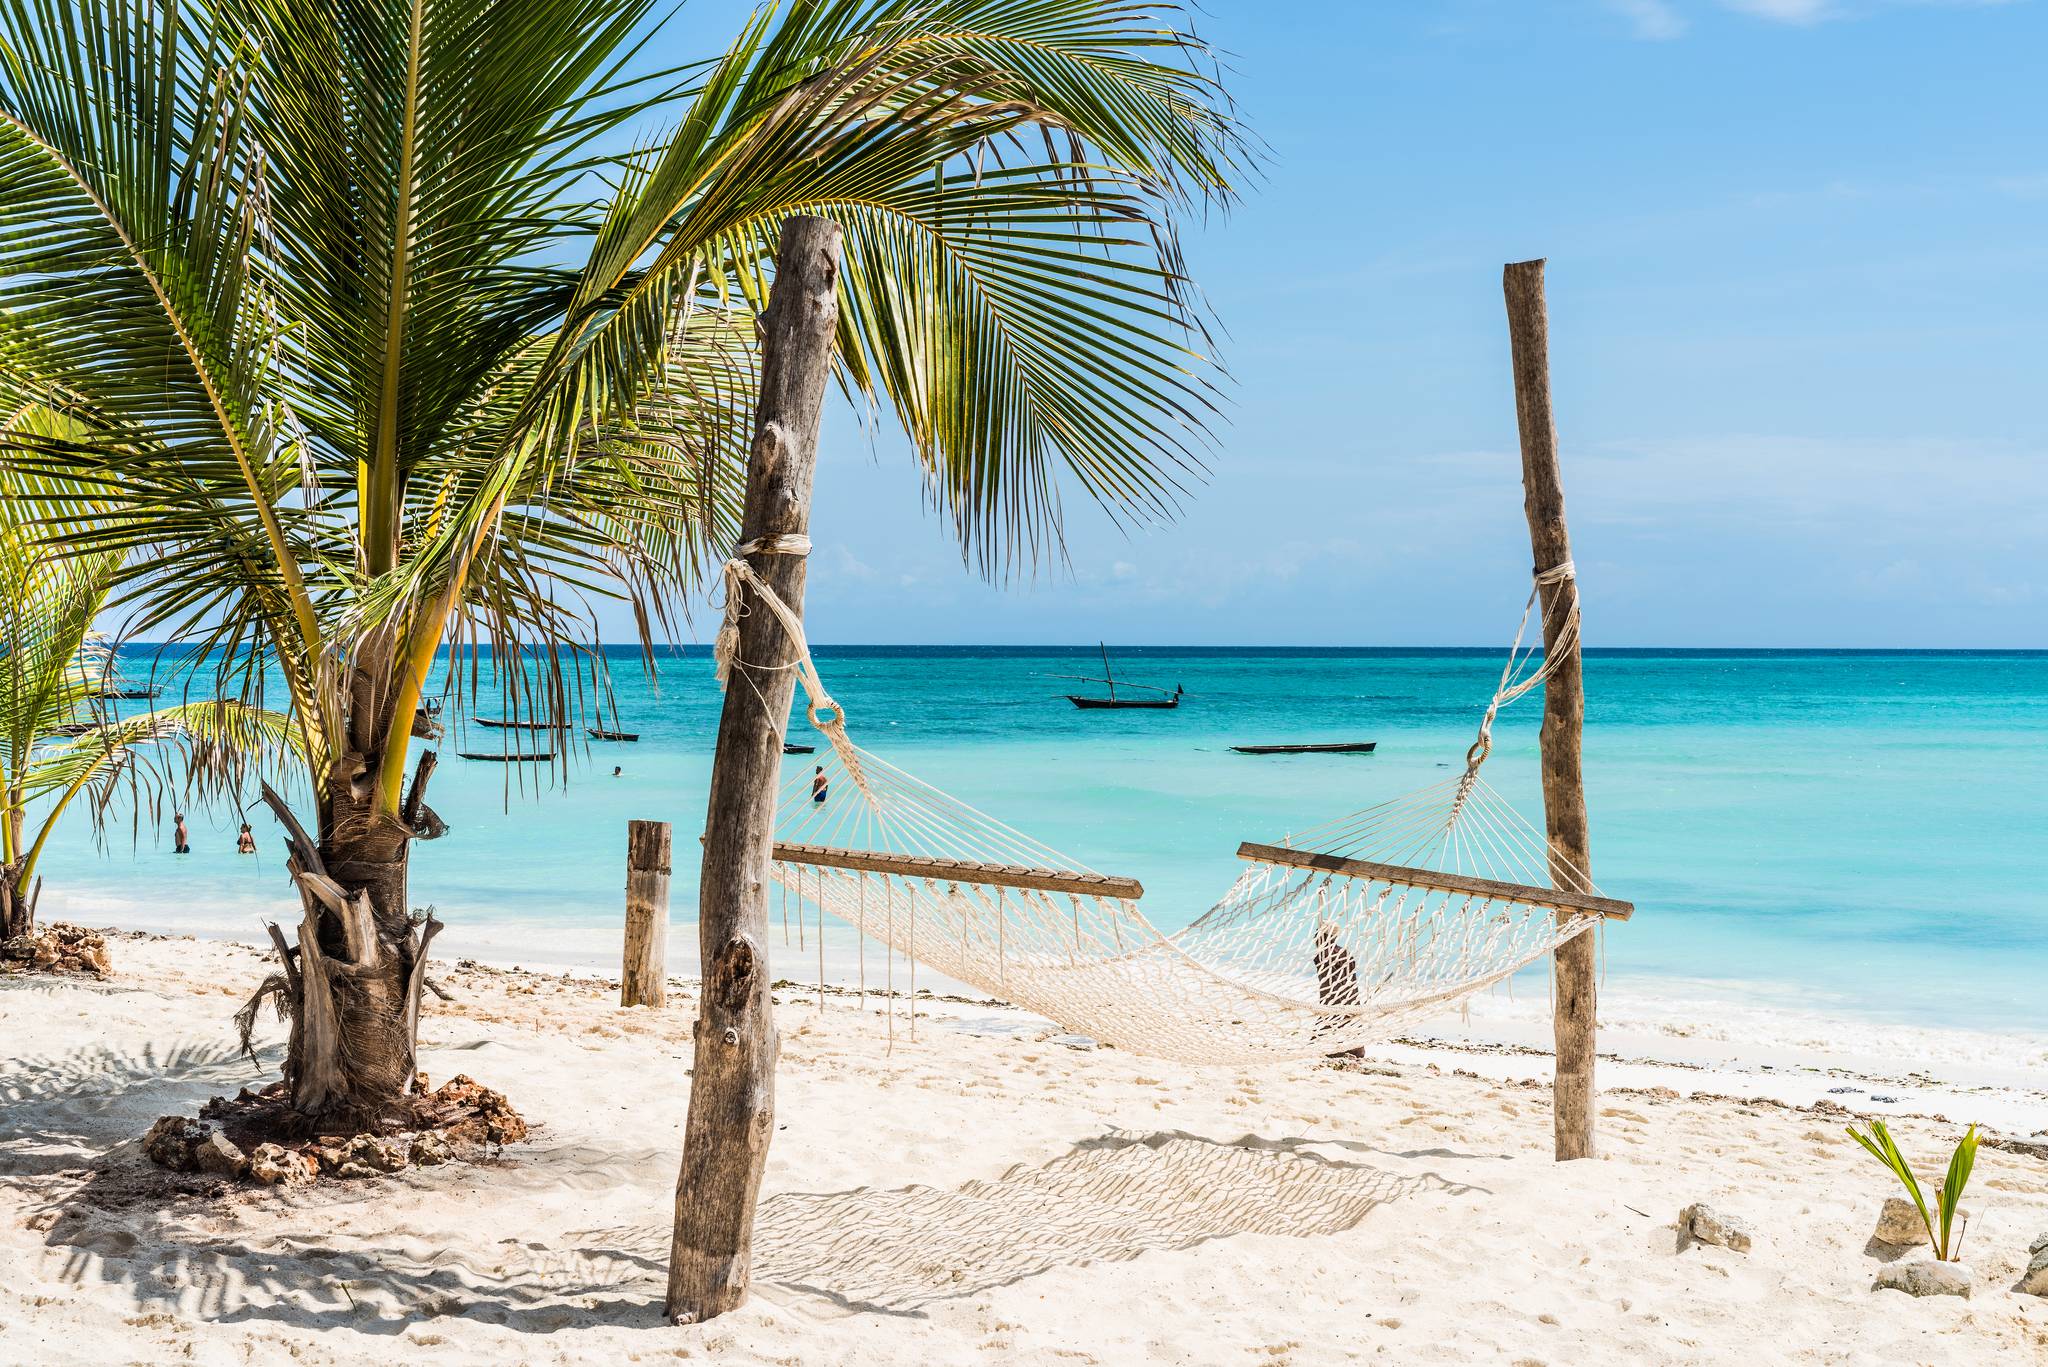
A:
[1108,680]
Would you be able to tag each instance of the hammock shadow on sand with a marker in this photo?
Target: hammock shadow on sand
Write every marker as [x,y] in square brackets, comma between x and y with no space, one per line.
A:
[1108,1200]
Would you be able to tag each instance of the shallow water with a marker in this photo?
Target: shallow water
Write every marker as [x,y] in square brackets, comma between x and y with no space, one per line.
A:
[1853,832]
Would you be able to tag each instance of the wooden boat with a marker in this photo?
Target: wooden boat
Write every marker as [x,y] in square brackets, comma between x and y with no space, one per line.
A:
[789,749]
[1341,747]
[1108,680]
[1080,701]
[501,725]
[538,757]
[144,694]
[597,733]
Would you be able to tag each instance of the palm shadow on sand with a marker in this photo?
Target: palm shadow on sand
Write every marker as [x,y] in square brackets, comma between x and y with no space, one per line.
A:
[340,1257]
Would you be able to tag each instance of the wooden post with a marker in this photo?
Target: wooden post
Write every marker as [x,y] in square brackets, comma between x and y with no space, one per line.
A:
[643,981]
[732,1093]
[1564,703]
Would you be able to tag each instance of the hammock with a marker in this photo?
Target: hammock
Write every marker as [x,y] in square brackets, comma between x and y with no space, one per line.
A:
[1333,938]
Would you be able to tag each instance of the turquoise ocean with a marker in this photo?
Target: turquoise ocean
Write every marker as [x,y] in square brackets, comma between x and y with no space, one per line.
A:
[1855,833]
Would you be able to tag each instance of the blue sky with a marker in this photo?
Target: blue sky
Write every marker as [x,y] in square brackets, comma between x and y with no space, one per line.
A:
[1798,271]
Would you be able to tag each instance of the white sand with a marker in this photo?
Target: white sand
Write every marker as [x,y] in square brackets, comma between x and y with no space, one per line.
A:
[1062,1205]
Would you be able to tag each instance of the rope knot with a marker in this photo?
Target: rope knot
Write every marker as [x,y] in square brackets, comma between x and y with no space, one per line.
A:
[725,649]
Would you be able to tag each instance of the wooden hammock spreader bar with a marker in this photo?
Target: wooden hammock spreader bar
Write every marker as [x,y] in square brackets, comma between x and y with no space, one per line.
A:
[996,875]
[1556,899]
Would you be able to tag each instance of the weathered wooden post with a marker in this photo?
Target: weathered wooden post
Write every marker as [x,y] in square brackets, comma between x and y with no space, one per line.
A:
[643,980]
[1564,702]
[732,1092]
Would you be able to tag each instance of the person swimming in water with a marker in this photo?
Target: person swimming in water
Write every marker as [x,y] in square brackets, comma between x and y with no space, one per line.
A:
[245,843]
[618,769]
[818,785]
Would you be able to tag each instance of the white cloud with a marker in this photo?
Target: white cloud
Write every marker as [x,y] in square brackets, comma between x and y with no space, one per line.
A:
[1806,13]
[1651,20]
[1787,11]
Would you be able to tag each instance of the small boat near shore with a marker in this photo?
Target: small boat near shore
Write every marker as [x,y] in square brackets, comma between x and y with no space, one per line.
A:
[537,757]
[1339,747]
[598,733]
[500,724]
[789,749]
[1088,702]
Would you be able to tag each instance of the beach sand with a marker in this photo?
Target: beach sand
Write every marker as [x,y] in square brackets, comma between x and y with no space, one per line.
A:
[989,1192]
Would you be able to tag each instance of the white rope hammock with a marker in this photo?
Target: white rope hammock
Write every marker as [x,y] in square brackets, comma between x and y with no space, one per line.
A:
[1336,937]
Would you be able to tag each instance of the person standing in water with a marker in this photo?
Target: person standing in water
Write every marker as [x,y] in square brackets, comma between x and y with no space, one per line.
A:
[245,843]
[818,785]
[181,839]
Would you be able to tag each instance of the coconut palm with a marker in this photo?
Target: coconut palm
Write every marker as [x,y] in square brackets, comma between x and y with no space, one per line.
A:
[407,333]
[57,737]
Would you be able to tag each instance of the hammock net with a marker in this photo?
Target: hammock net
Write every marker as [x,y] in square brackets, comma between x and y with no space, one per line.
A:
[1330,939]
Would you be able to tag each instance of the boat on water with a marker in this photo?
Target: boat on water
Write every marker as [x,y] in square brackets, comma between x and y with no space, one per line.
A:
[537,757]
[500,724]
[1088,702]
[598,733]
[789,749]
[1339,747]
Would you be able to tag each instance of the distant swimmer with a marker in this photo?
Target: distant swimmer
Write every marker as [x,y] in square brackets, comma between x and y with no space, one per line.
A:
[245,843]
[818,785]
[181,839]
[618,769]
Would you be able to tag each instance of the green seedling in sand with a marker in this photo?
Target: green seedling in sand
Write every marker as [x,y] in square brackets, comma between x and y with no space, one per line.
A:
[1879,1142]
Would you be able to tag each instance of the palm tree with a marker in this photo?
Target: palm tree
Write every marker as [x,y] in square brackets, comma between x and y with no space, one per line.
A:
[407,335]
[57,739]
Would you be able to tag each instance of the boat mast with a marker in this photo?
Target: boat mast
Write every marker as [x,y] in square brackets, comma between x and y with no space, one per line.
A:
[1107,677]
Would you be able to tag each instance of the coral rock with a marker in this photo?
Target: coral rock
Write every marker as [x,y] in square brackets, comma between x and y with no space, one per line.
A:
[1899,1224]
[492,1119]
[1709,1226]
[215,1152]
[369,1155]
[430,1148]
[2035,1283]
[1925,1277]
[172,1141]
[277,1166]
[57,948]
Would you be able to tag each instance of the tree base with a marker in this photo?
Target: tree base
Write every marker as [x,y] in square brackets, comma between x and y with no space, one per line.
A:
[258,1137]
[59,948]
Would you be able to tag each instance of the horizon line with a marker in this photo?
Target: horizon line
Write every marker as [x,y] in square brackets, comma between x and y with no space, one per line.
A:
[1495,648]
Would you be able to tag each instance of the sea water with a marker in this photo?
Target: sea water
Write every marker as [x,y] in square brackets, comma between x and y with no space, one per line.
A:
[1856,833]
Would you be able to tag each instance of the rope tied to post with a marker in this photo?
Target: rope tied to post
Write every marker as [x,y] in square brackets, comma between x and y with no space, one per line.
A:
[725,648]
[1513,681]
[824,712]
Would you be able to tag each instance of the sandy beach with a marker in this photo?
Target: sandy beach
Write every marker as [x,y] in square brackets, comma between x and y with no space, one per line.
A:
[995,1191]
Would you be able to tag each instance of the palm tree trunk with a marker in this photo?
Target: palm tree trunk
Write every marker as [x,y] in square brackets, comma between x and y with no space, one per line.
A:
[354,978]
[17,909]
